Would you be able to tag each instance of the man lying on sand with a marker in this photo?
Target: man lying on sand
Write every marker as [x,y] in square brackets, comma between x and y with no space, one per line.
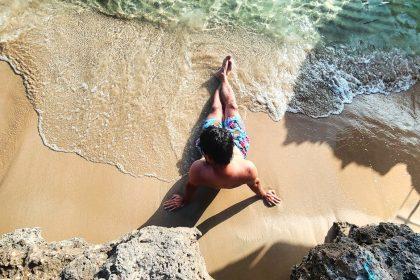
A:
[224,145]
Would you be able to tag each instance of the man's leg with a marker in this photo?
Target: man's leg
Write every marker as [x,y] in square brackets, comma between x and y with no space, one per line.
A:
[231,119]
[227,95]
[216,110]
[229,100]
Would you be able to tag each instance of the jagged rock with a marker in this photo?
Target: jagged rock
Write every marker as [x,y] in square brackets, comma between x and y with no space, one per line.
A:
[338,230]
[158,253]
[384,251]
[149,253]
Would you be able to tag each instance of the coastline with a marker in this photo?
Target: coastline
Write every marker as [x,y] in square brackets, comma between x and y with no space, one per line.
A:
[69,196]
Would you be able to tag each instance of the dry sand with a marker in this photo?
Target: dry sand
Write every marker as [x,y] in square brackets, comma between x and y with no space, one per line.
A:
[68,196]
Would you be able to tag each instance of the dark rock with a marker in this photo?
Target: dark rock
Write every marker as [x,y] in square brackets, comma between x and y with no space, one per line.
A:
[384,251]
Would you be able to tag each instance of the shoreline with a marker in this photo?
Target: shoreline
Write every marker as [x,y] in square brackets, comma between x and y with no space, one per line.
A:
[69,196]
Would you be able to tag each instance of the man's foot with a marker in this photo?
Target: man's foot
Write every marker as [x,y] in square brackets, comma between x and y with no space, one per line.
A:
[222,73]
[229,65]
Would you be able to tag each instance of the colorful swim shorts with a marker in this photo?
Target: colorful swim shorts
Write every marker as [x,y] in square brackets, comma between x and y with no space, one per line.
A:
[236,127]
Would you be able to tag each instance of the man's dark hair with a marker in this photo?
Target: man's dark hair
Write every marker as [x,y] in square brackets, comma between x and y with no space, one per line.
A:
[217,143]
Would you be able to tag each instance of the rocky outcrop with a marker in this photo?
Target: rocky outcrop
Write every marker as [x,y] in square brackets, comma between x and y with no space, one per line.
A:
[150,253]
[384,251]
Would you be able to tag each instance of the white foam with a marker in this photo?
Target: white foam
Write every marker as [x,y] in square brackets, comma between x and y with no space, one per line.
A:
[333,77]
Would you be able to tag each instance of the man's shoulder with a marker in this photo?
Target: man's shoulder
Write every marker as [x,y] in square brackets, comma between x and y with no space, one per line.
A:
[245,164]
[197,165]
[249,168]
[196,170]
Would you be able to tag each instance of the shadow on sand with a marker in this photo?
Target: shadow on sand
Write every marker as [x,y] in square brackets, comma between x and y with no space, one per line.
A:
[271,262]
[189,215]
[357,136]
[376,145]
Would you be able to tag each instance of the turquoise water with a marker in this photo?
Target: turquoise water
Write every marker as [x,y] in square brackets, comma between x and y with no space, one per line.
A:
[383,24]
[323,52]
[355,47]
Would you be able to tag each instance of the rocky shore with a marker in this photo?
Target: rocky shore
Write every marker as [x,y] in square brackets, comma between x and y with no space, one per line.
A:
[149,253]
[384,251]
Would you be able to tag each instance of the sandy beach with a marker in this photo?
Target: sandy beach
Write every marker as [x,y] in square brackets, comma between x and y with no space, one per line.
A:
[321,174]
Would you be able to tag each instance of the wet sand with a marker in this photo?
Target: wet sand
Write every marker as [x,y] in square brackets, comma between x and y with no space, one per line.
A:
[305,160]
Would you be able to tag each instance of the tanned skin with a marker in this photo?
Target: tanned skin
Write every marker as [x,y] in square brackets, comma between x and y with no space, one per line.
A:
[205,172]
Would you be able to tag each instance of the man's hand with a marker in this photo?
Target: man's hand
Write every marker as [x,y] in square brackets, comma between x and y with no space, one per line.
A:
[270,198]
[175,202]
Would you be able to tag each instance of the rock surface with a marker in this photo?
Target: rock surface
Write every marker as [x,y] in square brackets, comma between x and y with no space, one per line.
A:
[150,253]
[384,251]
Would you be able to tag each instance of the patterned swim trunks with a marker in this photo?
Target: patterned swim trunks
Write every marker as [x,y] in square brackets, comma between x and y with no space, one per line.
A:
[236,127]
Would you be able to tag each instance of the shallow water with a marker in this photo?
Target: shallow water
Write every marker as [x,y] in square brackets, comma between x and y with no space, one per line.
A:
[126,82]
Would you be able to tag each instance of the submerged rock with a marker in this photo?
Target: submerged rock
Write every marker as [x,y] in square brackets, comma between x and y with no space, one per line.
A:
[150,253]
[384,251]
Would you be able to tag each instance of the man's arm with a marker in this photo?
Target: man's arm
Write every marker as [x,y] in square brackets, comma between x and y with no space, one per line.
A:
[177,201]
[254,184]
[190,190]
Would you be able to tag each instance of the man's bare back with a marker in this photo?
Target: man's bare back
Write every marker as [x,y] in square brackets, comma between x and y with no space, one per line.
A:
[238,172]
[224,148]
